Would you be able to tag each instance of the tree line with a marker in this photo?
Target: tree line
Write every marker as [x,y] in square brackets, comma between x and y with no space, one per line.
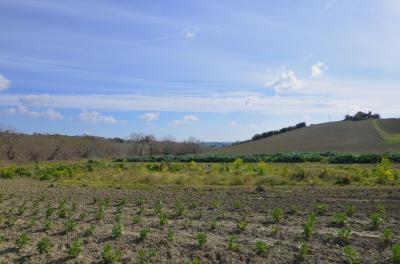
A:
[18,147]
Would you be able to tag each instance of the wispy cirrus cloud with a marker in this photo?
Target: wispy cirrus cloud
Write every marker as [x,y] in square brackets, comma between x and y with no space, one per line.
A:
[35,99]
[187,119]
[95,117]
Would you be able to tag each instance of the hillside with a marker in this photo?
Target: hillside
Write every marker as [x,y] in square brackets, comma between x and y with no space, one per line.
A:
[342,136]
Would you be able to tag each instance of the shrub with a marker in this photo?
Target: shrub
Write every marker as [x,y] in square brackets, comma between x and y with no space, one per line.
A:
[44,245]
[75,248]
[145,257]
[110,255]
[117,231]
[351,255]
[277,214]
[261,247]
[201,238]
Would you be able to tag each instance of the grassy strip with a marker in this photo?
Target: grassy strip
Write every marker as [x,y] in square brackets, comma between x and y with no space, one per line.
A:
[389,138]
[237,173]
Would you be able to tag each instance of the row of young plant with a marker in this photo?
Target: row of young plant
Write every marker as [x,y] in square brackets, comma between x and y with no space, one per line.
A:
[70,218]
[292,157]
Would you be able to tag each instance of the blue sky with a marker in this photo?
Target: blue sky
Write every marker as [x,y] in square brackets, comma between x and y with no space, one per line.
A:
[215,70]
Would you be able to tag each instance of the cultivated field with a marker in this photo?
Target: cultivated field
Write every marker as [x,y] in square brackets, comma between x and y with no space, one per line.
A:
[208,225]
[344,136]
[161,212]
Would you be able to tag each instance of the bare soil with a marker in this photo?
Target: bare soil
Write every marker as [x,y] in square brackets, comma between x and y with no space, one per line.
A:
[202,206]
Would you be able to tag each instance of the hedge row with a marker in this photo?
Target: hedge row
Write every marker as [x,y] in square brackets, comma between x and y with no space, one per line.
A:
[294,157]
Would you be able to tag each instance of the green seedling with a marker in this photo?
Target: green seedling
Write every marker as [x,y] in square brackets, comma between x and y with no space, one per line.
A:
[22,241]
[351,256]
[261,247]
[144,257]
[277,214]
[75,248]
[110,255]
[201,238]
[117,231]
[44,245]
[232,243]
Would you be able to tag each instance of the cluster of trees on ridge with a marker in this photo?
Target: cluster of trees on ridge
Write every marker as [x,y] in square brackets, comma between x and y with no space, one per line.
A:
[359,116]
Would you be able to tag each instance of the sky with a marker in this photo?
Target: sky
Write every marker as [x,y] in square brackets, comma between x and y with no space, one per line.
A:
[215,70]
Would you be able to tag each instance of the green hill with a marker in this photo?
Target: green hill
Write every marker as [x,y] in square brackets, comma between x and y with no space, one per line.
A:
[376,135]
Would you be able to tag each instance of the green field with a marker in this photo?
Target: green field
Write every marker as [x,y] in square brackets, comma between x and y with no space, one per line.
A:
[235,173]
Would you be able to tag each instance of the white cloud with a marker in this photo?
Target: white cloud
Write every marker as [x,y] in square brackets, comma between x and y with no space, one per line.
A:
[4,83]
[253,126]
[251,100]
[96,118]
[49,113]
[307,119]
[35,99]
[190,32]
[285,81]
[8,111]
[318,69]
[23,110]
[232,124]
[150,117]
[187,119]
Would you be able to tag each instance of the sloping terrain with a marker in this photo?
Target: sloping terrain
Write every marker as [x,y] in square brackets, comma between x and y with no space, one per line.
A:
[342,136]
